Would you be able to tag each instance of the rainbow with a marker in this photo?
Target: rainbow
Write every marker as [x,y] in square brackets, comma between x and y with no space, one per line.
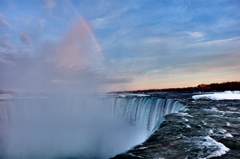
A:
[88,28]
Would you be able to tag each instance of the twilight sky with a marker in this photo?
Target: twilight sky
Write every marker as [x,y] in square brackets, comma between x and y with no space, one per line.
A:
[109,45]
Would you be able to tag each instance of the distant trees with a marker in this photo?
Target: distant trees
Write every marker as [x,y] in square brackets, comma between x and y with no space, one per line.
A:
[225,86]
[213,87]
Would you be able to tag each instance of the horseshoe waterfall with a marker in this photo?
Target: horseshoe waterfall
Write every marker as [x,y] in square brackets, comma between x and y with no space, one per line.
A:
[78,127]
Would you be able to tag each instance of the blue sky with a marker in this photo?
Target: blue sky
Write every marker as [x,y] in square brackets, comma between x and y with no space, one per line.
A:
[117,44]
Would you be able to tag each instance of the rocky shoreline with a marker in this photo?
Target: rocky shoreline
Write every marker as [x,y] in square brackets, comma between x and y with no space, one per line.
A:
[206,129]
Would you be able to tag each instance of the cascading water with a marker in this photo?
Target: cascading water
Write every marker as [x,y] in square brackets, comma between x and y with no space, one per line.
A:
[145,111]
[83,128]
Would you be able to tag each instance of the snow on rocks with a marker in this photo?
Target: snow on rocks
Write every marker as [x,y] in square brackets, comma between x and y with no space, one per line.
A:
[227,95]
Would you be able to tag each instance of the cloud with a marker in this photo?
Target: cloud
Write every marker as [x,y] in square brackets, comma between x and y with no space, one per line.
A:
[222,42]
[109,15]
[25,39]
[41,22]
[5,37]
[58,81]
[195,34]
[50,4]
[151,40]
[3,22]
[226,55]
[201,70]
[4,62]
[5,45]
[208,63]
[67,65]
[110,81]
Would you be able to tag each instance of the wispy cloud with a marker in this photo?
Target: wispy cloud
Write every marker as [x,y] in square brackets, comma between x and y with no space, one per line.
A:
[3,22]
[195,34]
[226,55]
[108,16]
[4,62]
[5,45]
[41,22]
[5,37]
[25,39]
[50,4]
[234,41]
[151,40]
[58,81]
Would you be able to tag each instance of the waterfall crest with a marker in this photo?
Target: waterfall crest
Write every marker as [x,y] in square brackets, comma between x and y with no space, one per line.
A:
[145,111]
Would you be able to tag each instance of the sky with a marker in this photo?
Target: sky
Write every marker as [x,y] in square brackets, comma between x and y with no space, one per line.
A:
[116,45]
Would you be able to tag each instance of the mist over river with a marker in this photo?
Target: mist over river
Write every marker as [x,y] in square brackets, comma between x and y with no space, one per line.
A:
[77,127]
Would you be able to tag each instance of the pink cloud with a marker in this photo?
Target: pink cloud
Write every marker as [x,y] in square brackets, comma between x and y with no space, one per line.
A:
[3,22]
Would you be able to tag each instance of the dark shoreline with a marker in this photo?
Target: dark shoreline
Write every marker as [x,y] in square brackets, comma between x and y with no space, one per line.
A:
[213,87]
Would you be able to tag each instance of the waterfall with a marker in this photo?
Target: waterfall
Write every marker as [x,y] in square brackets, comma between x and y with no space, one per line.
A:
[78,127]
[145,111]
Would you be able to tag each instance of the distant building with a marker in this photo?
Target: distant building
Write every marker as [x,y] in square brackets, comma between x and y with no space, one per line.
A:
[204,87]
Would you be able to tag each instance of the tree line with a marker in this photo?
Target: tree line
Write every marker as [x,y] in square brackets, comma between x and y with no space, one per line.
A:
[213,87]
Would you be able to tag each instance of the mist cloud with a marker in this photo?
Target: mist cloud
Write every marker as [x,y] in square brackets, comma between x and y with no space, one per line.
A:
[69,65]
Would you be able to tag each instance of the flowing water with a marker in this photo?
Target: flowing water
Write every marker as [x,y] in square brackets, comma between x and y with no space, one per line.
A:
[78,127]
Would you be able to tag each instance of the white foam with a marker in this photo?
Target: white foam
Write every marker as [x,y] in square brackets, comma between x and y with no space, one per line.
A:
[227,124]
[122,95]
[227,95]
[222,149]
[188,126]
[214,148]
[131,95]
[228,135]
